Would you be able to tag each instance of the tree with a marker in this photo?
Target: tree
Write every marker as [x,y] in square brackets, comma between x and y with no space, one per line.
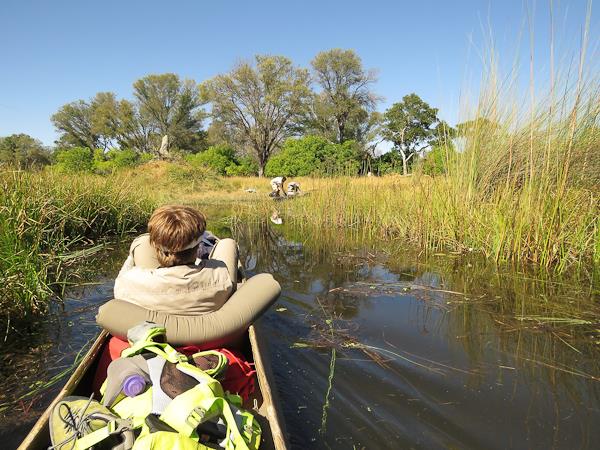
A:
[370,135]
[92,124]
[171,107]
[410,126]
[436,161]
[23,152]
[479,126]
[135,131]
[261,105]
[104,119]
[346,99]
[74,121]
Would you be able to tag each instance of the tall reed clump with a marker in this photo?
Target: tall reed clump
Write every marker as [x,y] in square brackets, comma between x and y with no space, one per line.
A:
[47,221]
[523,186]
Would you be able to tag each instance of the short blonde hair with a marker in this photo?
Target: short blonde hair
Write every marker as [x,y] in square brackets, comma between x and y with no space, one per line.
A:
[173,229]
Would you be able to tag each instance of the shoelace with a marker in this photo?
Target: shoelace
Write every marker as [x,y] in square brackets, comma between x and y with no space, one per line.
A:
[77,422]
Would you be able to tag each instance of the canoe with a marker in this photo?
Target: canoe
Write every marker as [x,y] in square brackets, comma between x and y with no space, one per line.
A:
[263,403]
[288,196]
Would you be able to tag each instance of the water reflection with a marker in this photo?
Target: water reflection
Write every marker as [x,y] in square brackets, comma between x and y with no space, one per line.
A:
[429,353]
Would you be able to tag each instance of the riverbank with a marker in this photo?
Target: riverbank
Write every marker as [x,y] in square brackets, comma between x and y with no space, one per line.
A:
[543,222]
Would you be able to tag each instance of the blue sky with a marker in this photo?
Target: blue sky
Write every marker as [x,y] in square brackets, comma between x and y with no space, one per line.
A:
[58,51]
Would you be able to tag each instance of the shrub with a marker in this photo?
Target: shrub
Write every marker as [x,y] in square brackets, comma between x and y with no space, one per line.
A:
[314,155]
[77,159]
[246,167]
[222,160]
[123,158]
[190,176]
[145,157]
[388,163]
[436,161]
[114,159]
[218,158]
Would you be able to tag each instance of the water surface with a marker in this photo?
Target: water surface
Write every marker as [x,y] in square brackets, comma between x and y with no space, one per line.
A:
[380,348]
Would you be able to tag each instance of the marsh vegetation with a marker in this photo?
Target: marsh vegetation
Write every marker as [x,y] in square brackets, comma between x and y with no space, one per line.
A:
[51,226]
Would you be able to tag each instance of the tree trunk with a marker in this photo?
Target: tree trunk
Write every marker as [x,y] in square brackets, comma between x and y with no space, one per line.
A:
[262,160]
[163,151]
[404,161]
[341,131]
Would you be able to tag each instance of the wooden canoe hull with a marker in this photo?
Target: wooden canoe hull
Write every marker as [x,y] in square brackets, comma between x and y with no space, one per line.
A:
[265,398]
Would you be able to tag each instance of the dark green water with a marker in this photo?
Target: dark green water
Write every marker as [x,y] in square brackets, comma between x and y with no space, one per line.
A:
[380,348]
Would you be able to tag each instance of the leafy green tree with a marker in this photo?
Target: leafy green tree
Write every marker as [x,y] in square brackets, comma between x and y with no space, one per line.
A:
[93,124]
[411,126]
[346,99]
[218,134]
[171,107]
[444,134]
[74,121]
[23,152]
[314,155]
[135,130]
[164,105]
[104,119]
[370,135]
[480,126]
[260,105]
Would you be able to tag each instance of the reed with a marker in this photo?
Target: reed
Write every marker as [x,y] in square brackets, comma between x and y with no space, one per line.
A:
[523,186]
[533,223]
[46,219]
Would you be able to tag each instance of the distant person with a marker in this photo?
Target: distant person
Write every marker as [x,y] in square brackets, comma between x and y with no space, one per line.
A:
[277,187]
[293,188]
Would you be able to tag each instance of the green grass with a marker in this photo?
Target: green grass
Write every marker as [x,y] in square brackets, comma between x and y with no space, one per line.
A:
[49,225]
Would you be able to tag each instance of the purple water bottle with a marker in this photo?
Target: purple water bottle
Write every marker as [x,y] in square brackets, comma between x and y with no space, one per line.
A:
[134,385]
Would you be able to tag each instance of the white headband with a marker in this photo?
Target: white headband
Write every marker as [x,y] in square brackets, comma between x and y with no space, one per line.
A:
[192,244]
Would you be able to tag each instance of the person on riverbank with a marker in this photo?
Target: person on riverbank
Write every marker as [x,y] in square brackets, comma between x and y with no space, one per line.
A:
[277,189]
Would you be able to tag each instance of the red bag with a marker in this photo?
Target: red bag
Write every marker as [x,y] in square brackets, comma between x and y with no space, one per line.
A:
[238,379]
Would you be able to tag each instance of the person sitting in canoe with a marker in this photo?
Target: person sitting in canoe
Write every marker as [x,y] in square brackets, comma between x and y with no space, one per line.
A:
[277,187]
[177,283]
[164,281]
